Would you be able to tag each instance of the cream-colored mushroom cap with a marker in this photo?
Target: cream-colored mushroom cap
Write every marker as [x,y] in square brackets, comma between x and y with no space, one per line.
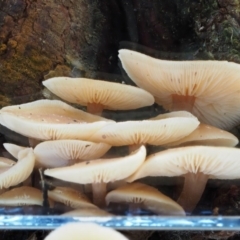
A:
[88,212]
[84,231]
[100,170]
[22,196]
[113,96]
[20,171]
[51,119]
[13,149]
[70,197]
[208,89]
[59,153]
[207,135]
[155,132]
[215,162]
[147,197]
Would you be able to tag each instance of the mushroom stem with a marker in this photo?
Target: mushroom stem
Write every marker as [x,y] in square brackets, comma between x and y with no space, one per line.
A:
[182,102]
[194,185]
[95,108]
[99,191]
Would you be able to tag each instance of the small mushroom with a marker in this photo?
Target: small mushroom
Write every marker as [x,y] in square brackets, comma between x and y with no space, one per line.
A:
[86,231]
[208,89]
[99,172]
[22,196]
[146,197]
[60,153]
[70,197]
[98,95]
[196,164]
[20,171]
[51,119]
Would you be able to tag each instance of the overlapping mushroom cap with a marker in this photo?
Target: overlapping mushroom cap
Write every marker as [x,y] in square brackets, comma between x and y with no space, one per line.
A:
[100,170]
[148,197]
[197,164]
[50,119]
[155,132]
[67,152]
[22,196]
[20,171]
[208,89]
[109,95]
[70,197]
[216,162]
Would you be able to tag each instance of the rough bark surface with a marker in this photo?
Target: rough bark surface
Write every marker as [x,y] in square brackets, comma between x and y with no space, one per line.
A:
[38,36]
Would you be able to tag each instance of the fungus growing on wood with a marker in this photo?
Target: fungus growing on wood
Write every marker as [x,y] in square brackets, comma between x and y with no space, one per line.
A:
[208,89]
[99,172]
[196,164]
[51,119]
[145,197]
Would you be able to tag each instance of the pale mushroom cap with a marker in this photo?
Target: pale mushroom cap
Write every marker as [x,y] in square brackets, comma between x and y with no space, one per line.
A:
[86,231]
[22,196]
[100,170]
[20,171]
[60,153]
[155,132]
[70,197]
[215,85]
[216,162]
[113,96]
[209,136]
[13,149]
[88,212]
[149,197]
[51,119]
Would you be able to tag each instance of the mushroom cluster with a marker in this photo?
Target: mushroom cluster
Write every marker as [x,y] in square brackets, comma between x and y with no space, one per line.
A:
[73,146]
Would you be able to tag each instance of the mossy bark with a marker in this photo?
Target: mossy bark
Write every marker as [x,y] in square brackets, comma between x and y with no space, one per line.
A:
[37,37]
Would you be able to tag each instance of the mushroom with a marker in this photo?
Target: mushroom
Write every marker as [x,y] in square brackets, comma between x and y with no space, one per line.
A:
[207,135]
[22,196]
[155,132]
[208,89]
[51,119]
[70,197]
[146,197]
[99,172]
[13,149]
[196,164]
[203,135]
[20,171]
[86,231]
[98,95]
[60,153]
